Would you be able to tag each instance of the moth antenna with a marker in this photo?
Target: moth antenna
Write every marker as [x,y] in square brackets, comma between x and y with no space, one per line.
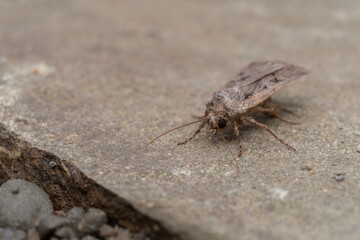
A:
[228,148]
[169,131]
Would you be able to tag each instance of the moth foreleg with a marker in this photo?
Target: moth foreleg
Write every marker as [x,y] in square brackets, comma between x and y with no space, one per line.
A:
[237,133]
[202,125]
[263,126]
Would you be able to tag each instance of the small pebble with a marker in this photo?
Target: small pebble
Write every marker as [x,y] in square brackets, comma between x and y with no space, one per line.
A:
[123,234]
[21,203]
[357,133]
[32,234]
[52,164]
[358,149]
[7,234]
[12,234]
[19,234]
[107,231]
[75,214]
[49,223]
[340,177]
[340,127]
[65,232]
[88,237]
[91,221]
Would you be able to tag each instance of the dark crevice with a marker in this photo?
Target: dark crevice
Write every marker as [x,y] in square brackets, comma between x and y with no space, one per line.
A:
[68,187]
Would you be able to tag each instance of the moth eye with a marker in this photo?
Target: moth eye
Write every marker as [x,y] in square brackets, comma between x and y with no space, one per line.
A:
[222,123]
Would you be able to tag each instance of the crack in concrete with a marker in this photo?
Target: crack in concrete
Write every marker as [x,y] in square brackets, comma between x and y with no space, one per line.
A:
[68,187]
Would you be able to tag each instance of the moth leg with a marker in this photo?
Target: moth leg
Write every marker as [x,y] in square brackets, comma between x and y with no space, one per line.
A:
[274,112]
[289,111]
[202,125]
[255,123]
[271,104]
[237,133]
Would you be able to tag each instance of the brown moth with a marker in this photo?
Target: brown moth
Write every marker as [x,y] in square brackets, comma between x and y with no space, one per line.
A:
[247,94]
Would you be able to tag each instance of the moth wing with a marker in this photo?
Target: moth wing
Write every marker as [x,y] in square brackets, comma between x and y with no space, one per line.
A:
[270,84]
[255,71]
[256,83]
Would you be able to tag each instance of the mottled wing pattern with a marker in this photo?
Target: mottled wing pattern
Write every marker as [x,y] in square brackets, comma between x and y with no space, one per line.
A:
[259,80]
[255,71]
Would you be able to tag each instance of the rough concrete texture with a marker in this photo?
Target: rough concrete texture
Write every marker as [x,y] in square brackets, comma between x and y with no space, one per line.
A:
[90,81]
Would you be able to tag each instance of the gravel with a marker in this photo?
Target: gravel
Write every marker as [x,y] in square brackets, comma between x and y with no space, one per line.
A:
[106,231]
[21,203]
[75,214]
[27,213]
[340,177]
[49,223]
[91,221]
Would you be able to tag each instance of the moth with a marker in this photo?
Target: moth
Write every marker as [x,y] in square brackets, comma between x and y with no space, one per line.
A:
[249,93]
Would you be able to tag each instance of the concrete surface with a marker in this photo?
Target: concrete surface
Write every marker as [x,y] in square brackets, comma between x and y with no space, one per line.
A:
[90,81]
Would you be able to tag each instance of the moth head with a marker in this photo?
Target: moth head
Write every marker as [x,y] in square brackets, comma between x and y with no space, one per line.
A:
[216,121]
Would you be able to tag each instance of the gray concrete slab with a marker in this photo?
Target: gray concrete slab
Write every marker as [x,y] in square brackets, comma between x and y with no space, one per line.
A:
[90,81]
